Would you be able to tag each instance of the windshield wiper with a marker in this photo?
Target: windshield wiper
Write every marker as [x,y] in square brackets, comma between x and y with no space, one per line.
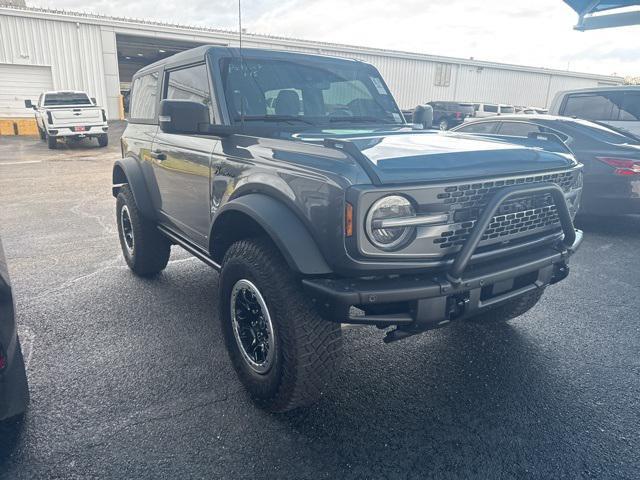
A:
[272,118]
[358,119]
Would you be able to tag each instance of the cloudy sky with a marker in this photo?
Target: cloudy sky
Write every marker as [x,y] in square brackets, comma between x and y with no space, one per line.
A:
[537,33]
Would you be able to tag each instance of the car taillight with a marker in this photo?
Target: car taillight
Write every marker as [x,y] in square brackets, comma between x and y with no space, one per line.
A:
[49,118]
[623,166]
[458,115]
[104,116]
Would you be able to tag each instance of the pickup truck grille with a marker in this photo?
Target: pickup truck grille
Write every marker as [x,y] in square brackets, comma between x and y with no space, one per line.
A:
[519,217]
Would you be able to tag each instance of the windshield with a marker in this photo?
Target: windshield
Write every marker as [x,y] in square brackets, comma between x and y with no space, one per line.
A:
[315,92]
[57,99]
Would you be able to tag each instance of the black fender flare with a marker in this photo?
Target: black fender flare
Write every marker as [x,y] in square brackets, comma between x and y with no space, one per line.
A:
[283,226]
[127,170]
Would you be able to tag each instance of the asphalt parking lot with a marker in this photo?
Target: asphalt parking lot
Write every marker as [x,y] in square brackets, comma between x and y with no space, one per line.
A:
[129,377]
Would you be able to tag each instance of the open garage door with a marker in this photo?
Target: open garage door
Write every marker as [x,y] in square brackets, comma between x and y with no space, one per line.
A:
[137,52]
[21,82]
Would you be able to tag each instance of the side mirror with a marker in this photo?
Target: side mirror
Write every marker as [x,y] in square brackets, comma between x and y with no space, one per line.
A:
[28,104]
[183,116]
[190,118]
[93,100]
[423,114]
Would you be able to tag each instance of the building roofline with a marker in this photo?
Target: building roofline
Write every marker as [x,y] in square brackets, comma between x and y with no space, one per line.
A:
[198,31]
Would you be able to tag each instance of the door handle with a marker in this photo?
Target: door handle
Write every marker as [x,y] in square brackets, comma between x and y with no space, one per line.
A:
[157,155]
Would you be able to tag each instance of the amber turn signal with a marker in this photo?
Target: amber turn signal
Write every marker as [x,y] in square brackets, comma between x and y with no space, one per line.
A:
[348,219]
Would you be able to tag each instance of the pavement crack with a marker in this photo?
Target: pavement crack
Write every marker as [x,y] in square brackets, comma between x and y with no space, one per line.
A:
[158,418]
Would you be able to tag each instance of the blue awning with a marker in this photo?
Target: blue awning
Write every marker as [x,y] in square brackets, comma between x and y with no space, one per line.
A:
[595,14]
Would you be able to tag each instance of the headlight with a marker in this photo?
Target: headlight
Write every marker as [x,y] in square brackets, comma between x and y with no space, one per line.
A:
[381,218]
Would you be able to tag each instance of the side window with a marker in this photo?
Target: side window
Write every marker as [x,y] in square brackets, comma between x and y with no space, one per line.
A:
[491,108]
[144,96]
[630,109]
[518,129]
[592,106]
[190,83]
[478,127]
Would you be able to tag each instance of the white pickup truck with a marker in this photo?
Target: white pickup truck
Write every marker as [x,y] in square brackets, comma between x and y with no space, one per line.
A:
[69,115]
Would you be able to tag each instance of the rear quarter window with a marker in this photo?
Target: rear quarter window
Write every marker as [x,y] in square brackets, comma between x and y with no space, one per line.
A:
[144,94]
[592,106]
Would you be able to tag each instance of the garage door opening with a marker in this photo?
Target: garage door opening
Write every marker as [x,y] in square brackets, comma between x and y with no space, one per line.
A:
[137,52]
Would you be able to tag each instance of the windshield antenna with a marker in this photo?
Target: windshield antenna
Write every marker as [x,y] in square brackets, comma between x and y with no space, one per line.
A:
[241,62]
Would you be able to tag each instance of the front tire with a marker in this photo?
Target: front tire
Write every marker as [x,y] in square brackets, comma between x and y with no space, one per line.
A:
[443,124]
[283,352]
[52,142]
[145,249]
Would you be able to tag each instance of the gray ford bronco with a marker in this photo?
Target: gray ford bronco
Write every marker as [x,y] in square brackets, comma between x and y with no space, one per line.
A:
[298,179]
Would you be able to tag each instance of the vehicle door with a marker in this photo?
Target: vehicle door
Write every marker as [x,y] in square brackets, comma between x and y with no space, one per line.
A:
[38,113]
[137,139]
[182,163]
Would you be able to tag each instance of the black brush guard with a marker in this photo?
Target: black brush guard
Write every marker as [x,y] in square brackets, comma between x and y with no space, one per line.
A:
[433,299]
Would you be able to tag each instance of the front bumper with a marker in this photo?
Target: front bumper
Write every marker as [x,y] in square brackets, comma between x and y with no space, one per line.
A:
[90,131]
[426,301]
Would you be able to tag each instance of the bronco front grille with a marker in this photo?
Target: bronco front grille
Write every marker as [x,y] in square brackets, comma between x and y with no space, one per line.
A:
[516,218]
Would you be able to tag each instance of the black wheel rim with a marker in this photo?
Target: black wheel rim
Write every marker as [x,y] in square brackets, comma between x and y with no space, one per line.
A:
[127,229]
[252,326]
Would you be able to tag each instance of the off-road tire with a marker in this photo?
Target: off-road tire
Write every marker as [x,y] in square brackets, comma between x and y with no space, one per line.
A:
[511,308]
[307,347]
[103,140]
[150,252]
[52,142]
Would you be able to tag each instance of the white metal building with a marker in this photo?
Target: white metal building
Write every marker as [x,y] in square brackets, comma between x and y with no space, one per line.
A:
[46,49]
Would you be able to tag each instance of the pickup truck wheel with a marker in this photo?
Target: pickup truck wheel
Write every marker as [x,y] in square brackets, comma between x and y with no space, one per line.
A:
[283,352]
[42,134]
[145,249]
[103,140]
[511,308]
[443,124]
[52,142]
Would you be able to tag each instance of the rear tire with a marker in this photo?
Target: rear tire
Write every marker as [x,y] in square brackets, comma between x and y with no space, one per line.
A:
[290,355]
[103,140]
[511,308]
[52,142]
[443,124]
[145,249]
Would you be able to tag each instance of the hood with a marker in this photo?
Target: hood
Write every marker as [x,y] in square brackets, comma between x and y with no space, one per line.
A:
[408,156]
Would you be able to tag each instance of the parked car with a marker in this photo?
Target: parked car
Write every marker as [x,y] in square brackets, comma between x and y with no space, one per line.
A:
[611,157]
[330,210]
[450,114]
[69,115]
[14,393]
[531,110]
[492,109]
[616,106]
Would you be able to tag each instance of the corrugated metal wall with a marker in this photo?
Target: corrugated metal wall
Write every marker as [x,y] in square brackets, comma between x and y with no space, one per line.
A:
[414,81]
[77,54]
[72,50]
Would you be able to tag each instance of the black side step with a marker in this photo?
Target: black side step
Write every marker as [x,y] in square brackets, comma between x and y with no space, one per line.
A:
[189,247]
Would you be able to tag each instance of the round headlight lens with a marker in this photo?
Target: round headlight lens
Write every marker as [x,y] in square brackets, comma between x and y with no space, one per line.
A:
[389,208]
